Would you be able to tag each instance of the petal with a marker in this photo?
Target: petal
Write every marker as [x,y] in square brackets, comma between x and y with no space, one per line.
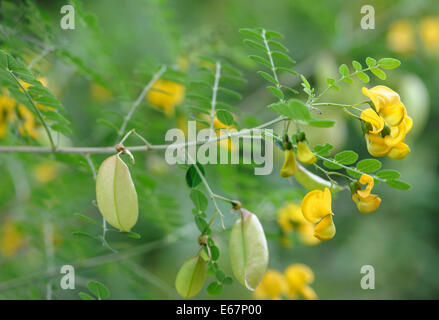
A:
[369,115]
[304,153]
[308,293]
[397,135]
[316,204]
[400,151]
[369,182]
[298,276]
[376,145]
[325,229]
[368,204]
[393,114]
[272,285]
[289,167]
[381,96]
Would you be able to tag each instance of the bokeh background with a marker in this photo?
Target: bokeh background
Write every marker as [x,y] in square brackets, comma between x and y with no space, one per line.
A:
[116,46]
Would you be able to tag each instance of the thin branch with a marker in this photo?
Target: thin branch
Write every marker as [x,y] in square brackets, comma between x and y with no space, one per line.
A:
[133,108]
[45,52]
[139,148]
[214,94]
[270,57]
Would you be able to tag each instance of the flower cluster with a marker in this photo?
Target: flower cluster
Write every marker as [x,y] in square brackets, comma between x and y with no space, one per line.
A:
[292,284]
[386,124]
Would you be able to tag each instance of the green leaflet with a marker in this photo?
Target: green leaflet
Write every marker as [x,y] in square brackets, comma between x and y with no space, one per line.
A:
[248,250]
[191,277]
[116,195]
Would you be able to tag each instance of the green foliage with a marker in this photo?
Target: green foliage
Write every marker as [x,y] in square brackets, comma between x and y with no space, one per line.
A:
[98,289]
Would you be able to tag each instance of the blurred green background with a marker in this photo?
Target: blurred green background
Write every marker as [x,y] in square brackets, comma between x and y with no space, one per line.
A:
[117,46]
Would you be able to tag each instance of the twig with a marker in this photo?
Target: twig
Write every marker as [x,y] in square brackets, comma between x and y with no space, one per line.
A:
[148,86]
[214,93]
[139,148]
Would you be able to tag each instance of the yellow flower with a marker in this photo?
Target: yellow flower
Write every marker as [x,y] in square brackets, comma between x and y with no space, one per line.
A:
[392,112]
[166,95]
[365,201]
[370,116]
[429,29]
[299,277]
[400,37]
[290,166]
[99,93]
[304,153]
[387,103]
[316,208]
[272,286]
[27,128]
[7,105]
[11,239]
[46,172]
[289,217]
[224,143]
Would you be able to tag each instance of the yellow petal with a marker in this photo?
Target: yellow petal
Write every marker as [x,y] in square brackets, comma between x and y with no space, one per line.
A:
[304,153]
[376,145]
[369,182]
[298,276]
[289,167]
[369,115]
[387,103]
[316,204]
[325,229]
[272,286]
[400,151]
[368,204]
[408,123]
[306,234]
[308,293]
[401,37]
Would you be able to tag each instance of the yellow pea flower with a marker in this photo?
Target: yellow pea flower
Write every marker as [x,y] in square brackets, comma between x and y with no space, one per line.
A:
[304,154]
[46,172]
[7,105]
[370,116]
[306,234]
[11,239]
[27,128]
[224,143]
[316,208]
[400,37]
[387,103]
[99,93]
[365,201]
[290,166]
[299,277]
[399,151]
[166,95]
[429,29]
[272,286]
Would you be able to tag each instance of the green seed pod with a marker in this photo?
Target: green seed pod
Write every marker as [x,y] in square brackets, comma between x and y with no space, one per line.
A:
[116,194]
[191,276]
[248,250]
[312,182]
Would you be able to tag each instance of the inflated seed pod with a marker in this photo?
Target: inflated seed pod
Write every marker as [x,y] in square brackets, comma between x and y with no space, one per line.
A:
[248,250]
[191,277]
[116,195]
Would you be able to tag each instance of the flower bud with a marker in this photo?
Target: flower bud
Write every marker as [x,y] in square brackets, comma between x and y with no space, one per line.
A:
[304,153]
[289,167]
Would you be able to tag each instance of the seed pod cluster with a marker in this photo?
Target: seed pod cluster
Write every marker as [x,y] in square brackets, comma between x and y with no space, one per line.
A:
[116,195]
